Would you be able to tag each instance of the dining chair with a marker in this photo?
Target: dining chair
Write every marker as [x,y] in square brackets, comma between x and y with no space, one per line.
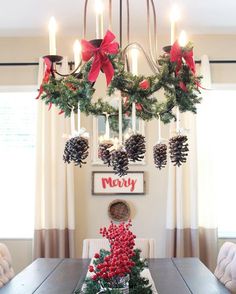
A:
[6,270]
[91,246]
[226,266]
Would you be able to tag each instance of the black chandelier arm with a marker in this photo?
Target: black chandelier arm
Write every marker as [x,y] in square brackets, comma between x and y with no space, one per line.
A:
[110,15]
[74,72]
[155,29]
[128,21]
[120,24]
[151,64]
[153,54]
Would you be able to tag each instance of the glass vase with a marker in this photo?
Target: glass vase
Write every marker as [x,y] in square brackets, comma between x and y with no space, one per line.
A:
[117,285]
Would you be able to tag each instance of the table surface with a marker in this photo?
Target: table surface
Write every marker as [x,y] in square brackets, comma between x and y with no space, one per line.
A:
[64,276]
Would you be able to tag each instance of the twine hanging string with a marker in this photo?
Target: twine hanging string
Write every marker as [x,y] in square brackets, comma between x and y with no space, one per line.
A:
[79,118]
[107,127]
[177,120]
[120,120]
[160,139]
[134,117]
[159,129]
[134,70]
[76,131]
[72,122]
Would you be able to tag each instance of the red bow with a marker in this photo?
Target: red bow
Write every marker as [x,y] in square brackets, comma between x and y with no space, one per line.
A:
[46,77]
[100,61]
[177,54]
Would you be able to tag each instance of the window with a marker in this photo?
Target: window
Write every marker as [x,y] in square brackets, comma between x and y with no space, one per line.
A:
[17,162]
[217,145]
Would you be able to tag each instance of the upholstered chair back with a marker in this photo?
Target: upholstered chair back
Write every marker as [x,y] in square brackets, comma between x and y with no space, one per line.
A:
[226,266]
[6,270]
[91,246]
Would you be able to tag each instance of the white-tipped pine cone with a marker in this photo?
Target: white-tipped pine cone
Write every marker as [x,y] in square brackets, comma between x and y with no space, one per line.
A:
[178,149]
[135,147]
[160,155]
[76,149]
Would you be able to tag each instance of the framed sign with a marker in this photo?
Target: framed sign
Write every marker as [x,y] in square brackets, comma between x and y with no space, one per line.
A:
[108,183]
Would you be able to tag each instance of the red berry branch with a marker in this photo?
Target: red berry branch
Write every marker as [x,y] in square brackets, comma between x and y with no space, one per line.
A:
[119,262]
[119,267]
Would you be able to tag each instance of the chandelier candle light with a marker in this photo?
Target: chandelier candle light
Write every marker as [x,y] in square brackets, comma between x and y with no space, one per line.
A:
[173,71]
[99,8]
[52,36]
[174,17]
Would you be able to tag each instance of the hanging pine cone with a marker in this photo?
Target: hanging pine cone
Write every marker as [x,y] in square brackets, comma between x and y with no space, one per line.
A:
[76,149]
[135,147]
[120,162]
[104,153]
[178,149]
[160,155]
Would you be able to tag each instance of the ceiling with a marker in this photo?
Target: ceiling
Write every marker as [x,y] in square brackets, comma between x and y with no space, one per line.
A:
[30,17]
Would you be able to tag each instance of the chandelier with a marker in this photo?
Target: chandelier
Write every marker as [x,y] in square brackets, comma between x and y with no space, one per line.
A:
[173,71]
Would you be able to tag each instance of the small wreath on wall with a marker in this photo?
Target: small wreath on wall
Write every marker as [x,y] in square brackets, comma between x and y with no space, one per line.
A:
[119,210]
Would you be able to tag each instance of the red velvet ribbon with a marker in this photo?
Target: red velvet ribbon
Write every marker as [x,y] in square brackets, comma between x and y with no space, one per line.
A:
[177,55]
[46,77]
[101,60]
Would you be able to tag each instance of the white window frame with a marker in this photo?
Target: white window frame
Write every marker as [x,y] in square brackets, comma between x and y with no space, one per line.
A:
[224,87]
[12,89]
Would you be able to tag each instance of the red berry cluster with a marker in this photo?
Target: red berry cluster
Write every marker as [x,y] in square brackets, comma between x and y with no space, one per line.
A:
[119,262]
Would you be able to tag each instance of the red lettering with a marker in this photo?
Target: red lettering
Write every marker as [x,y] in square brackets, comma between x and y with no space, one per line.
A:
[109,182]
[106,181]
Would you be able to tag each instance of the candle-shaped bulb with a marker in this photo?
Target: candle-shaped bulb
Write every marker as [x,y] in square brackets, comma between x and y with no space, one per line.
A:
[174,13]
[134,60]
[52,27]
[174,17]
[99,8]
[77,53]
[183,39]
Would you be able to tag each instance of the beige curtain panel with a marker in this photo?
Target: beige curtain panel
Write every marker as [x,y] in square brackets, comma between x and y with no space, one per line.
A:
[54,234]
[191,229]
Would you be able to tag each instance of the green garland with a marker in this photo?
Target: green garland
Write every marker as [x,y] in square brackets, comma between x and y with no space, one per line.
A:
[137,284]
[66,93]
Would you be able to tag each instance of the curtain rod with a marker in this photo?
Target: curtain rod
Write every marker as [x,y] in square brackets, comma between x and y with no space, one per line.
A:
[71,63]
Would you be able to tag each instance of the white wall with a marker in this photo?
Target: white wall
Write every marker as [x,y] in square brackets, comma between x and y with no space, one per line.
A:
[148,211]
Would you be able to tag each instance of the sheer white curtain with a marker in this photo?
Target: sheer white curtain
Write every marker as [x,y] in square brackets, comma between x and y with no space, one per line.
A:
[55,198]
[187,232]
[206,195]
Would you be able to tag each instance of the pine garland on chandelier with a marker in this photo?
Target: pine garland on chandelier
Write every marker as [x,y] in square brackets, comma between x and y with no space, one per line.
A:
[74,93]
[180,90]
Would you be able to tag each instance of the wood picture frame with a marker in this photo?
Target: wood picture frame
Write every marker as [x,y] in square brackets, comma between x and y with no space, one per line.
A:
[107,183]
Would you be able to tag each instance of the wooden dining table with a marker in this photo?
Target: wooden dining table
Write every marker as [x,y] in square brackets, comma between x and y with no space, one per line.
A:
[65,275]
